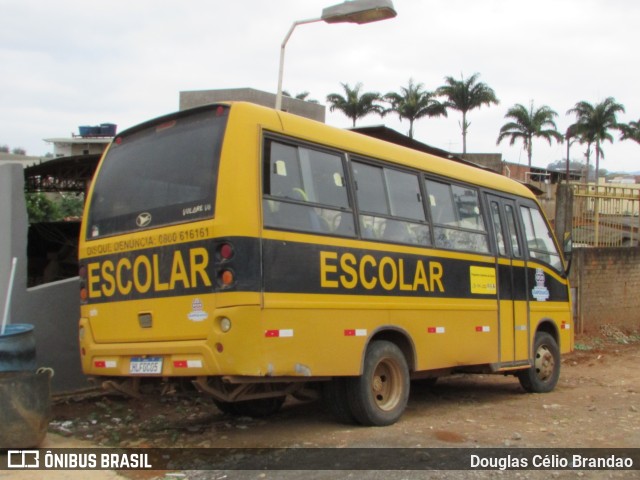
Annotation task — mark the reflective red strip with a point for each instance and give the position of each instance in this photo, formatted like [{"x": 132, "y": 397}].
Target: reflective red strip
[
  {"x": 287, "y": 332},
  {"x": 435, "y": 330}
]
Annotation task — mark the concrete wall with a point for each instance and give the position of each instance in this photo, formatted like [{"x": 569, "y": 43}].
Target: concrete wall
[
  {"x": 13, "y": 235},
  {"x": 490, "y": 160},
  {"x": 196, "y": 98},
  {"x": 607, "y": 286},
  {"x": 54, "y": 308}
]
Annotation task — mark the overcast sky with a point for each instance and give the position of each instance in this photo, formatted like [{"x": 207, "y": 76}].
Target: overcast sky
[{"x": 67, "y": 63}]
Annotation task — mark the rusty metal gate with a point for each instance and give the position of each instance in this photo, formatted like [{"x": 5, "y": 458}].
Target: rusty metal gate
[{"x": 605, "y": 215}]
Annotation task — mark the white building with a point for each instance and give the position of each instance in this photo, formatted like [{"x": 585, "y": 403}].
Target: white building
[
  {"x": 24, "y": 160},
  {"x": 68, "y": 147}
]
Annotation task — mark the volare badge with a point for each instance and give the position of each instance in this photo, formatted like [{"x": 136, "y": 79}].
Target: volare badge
[
  {"x": 197, "y": 313},
  {"x": 540, "y": 292}
]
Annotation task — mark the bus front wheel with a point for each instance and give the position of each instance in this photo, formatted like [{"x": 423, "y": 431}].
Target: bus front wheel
[
  {"x": 543, "y": 375},
  {"x": 379, "y": 396},
  {"x": 334, "y": 394}
]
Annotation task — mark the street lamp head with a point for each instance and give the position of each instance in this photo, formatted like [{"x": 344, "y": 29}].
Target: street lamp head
[
  {"x": 359, "y": 11},
  {"x": 354, "y": 11}
]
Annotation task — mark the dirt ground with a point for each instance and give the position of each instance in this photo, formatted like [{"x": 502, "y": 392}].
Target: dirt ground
[{"x": 596, "y": 404}]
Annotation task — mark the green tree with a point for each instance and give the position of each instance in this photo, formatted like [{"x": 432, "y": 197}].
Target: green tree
[
  {"x": 71, "y": 206},
  {"x": 41, "y": 209},
  {"x": 414, "y": 102},
  {"x": 465, "y": 95},
  {"x": 526, "y": 124},
  {"x": 593, "y": 123},
  {"x": 354, "y": 104},
  {"x": 630, "y": 131}
]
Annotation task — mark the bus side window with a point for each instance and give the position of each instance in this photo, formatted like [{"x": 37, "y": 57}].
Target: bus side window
[
  {"x": 498, "y": 228},
  {"x": 539, "y": 238},
  {"x": 457, "y": 219},
  {"x": 284, "y": 171},
  {"x": 513, "y": 233},
  {"x": 390, "y": 204},
  {"x": 304, "y": 189}
]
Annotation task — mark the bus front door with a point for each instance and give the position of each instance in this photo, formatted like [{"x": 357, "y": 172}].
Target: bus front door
[{"x": 512, "y": 298}]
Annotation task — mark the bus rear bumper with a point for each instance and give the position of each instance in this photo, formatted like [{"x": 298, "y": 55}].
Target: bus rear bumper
[{"x": 186, "y": 358}]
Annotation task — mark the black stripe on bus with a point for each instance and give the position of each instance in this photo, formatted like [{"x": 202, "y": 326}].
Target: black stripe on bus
[
  {"x": 291, "y": 267},
  {"x": 196, "y": 268}
]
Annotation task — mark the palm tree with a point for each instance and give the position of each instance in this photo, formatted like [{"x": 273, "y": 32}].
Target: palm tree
[
  {"x": 355, "y": 105},
  {"x": 413, "y": 103},
  {"x": 529, "y": 123},
  {"x": 630, "y": 131},
  {"x": 465, "y": 95},
  {"x": 593, "y": 123}
]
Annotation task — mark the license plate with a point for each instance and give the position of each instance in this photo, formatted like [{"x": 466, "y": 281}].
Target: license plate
[{"x": 145, "y": 366}]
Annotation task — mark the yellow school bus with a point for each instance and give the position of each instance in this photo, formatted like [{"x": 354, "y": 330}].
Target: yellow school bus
[{"x": 255, "y": 254}]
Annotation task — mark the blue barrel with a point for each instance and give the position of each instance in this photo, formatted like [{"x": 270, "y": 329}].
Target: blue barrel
[{"x": 18, "y": 348}]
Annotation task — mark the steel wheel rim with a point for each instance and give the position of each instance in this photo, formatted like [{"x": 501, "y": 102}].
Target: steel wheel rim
[
  {"x": 545, "y": 363},
  {"x": 386, "y": 384}
]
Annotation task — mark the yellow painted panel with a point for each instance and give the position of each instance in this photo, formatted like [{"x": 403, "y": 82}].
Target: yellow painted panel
[{"x": 507, "y": 331}]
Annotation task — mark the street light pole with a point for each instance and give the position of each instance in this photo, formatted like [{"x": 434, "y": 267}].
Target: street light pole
[
  {"x": 282, "y": 47},
  {"x": 354, "y": 11}
]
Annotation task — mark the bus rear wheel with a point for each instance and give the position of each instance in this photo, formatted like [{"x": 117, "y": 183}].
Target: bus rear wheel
[
  {"x": 543, "y": 375},
  {"x": 379, "y": 396}
]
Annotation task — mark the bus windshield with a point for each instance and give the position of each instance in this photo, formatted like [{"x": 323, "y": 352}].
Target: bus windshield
[{"x": 163, "y": 173}]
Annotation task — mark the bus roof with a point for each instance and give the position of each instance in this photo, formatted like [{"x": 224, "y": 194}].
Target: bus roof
[{"x": 360, "y": 144}]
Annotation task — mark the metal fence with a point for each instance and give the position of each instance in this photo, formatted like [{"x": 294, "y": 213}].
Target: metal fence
[{"x": 605, "y": 215}]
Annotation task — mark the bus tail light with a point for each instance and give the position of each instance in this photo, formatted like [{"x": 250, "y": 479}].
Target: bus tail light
[
  {"x": 226, "y": 278},
  {"x": 225, "y": 324},
  {"x": 226, "y": 251},
  {"x": 225, "y": 255}
]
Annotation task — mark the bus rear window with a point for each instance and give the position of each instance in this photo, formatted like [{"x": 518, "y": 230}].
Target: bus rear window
[{"x": 159, "y": 174}]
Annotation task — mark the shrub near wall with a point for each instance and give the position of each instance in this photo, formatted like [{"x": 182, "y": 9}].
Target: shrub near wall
[{"x": 607, "y": 287}]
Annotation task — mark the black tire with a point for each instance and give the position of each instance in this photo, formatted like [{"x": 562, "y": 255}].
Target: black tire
[
  {"x": 379, "y": 396},
  {"x": 334, "y": 396},
  {"x": 543, "y": 375},
  {"x": 262, "y": 407}
]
